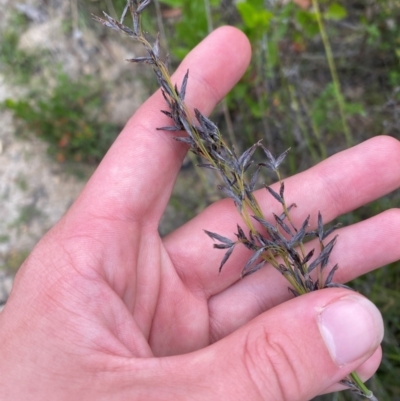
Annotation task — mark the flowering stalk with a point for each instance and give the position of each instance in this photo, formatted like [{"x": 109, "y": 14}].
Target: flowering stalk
[{"x": 280, "y": 244}]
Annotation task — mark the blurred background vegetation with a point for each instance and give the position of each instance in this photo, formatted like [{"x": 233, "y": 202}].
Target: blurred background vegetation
[{"x": 325, "y": 75}]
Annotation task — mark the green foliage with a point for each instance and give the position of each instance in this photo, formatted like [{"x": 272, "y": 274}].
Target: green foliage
[
  {"x": 192, "y": 26},
  {"x": 289, "y": 51},
  {"x": 323, "y": 110},
  {"x": 254, "y": 15},
  {"x": 335, "y": 12},
  {"x": 307, "y": 21},
  {"x": 69, "y": 119},
  {"x": 17, "y": 64}
]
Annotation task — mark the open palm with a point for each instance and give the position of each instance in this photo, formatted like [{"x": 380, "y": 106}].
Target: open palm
[{"x": 103, "y": 290}]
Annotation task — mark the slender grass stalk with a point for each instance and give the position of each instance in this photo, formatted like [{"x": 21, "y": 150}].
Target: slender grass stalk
[
  {"x": 362, "y": 386},
  {"x": 160, "y": 25},
  {"x": 304, "y": 130},
  {"x": 111, "y": 8},
  {"x": 316, "y": 131},
  {"x": 334, "y": 74},
  {"x": 281, "y": 243},
  {"x": 262, "y": 91},
  {"x": 207, "y": 7},
  {"x": 224, "y": 103}
]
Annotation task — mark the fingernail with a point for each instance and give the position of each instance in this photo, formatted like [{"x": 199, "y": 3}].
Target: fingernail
[{"x": 351, "y": 327}]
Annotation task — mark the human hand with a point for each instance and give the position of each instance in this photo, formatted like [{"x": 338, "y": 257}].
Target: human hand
[{"x": 104, "y": 309}]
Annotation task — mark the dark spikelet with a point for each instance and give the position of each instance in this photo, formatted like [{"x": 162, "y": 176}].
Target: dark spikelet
[
  {"x": 326, "y": 252},
  {"x": 124, "y": 12},
  {"x": 206, "y": 165},
  {"x": 136, "y": 24},
  {"x": 282, "y": 189},
  {"x": 164, "y": 85},
  {"x": 263, "y": 241},
  {"x": 141, "y": 60},
  {"x": 280, "y": 158},
  {"x": 297, "y": 275},
  {"x": 308, "y": 257},
  {"x": 113, "y": 24},
  {"x": 253, "y": 180},
  {"x": 240, "y": 234},
  {"x": 328, "y": 232},
  {"x": 252, "y": 260},
  {"x": 221, "y": 246},
  {"x": 184, "y": 85},
  {"x": 244, "y": 159},
  {"x": 231, "y": 194},
  {"x": 293, "y": 292},
  {"x": 270, "y": 158},
  {"x": 253, "y": 269},
  {"x": 283, "y": 269},
  {"x": 107, "y": 24},
  {"x": 219, "y": 238},
  {"x": 273, "y": 163},
  {"x": 167, "y": 113},
  {"x": 309, "y": 285},
  {"x": 314, "y": 264},
  {"x": 282, "y": 224},
  {"x": 323, "y": 256},
  {"x": 274, "y": 194},
  {"x": 206, "y": 124},
  {"x": 171, "y": 128},
  {"x": 185, "y": 139},
  {"x": 320, "y": 227},
  {"x": 156, "y": 47},
  {"x": 283, "y": 215},
  {"x": 143, "y": 5},
  {"x": 330, "y": 275},
  {"x": 313, "y": 233},
  {"x": 187, "y": 126},
  {"x": 299, "y": 236},
  {"x": 166, "y": 98},
  {"x": 270, "y": 228},
  {"x": 295, "y": 258},
  {"x": 226, "y": 257}
]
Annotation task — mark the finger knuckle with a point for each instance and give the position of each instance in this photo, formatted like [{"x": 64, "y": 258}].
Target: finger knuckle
[{"x": 273, "y": 366}]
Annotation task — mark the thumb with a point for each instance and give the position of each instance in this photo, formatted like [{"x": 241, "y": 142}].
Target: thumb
[{"x": 293, "y": 352}]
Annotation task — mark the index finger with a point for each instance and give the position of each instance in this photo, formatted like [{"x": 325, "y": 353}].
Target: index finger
[{"x": 135, "y": 179}]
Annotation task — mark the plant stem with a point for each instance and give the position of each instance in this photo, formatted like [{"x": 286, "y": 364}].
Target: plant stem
[
  {"x": 362, "y": 386},
  {"x": 334, "y": 74}
]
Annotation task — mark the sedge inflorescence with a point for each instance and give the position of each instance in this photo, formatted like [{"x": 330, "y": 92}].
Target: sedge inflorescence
[{"x": 276, "y": 241}]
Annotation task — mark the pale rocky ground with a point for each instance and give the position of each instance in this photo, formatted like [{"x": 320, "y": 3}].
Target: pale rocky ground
[
  {"x": 35, "y": 190},
  {"x": 34, "y": 194}
]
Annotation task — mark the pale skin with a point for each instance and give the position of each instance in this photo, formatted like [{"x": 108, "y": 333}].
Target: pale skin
[{"x": 105, "y": 309}]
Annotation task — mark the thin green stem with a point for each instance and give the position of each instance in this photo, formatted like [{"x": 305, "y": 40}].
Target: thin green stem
[
  {"x": 361, "y": 385},
  {"x": 160, "y": 24},
  {"x": 315, "y": 128},
  {"x": 296, "y": 108},
  {"x": 334, "y": 74}
]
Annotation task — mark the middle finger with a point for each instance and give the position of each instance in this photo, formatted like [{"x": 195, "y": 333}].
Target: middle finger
[{"x": 336, "y": 186}]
